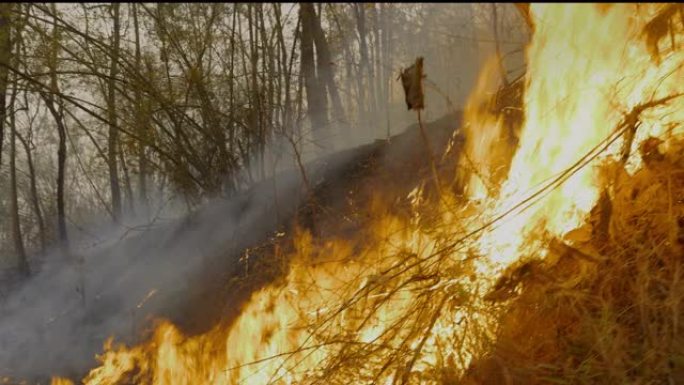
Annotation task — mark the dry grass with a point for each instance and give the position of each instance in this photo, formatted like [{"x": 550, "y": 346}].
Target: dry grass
[{"x": 609, "y": 310}]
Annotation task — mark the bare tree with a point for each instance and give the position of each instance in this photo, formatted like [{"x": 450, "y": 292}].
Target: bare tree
[
  {"x": 325, "y": 66},
  {"x": 16, "y": 225},
  {"x": 5, "y": 54},
  {"x": 112, "y": 142},
  {"x": 56, "y": 108},
  {"x": 316, "y": 100},
  {"x": 139, "y": 121},
  {"x": 189, "y": 96}
]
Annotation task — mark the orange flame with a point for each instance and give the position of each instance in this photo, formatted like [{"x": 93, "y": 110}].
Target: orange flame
[
  {"x": 587, "y": 68},
  {"x": 402, "y": 301}
]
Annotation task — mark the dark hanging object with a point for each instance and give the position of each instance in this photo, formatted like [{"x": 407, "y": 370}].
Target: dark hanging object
[
  {"x": 662, "y": 25},
  {"x": 412, "y": 81}
]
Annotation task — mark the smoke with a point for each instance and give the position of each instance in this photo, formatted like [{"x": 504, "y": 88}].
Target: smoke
[
  {"x": 455, "y": 41},
  {"x": 55, "y": 322}
]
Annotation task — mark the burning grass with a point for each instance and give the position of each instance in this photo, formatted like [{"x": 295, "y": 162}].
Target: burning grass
[
  {"x": 568, "y": 271},
  {"x": 403, "y": 303},
  {"x": 609, "y": 309}
]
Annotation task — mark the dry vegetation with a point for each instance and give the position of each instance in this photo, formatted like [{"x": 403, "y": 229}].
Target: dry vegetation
[
  {"x": 380, "y": 278},
  {"x": 608, "y": 311}
]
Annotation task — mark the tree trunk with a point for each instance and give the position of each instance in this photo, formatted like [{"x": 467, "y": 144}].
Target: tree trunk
[
  {"x": 377, "y": 67},
  {"x": 35, "y": 202},
  {"x": 61, "y": 172},
  {"x": 127, "y": 181},
  {"x": 111, "y": 115},
  {"x": 283, "y": 68},
  {"x": 386, "y": 17},
  {"x": 265, "y": 89},
  {"x": 270, "y": 76},
  {"x": 5, "y": 54},
  {"x": 56, "y": 110},
  {"x": 141, "y": 127},
  {"x": 231, "y": 92},
  {"x": 315, "y": 93},
  {"x": 14, "y": 198},
  {"x": 255, "y": 105},
  {"x": 365, "y": 69},
  {"x": 325, "y": 68}
]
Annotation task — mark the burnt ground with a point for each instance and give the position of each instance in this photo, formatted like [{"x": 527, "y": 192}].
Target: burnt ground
[
  {"x": 341, "y": 186},
  {"x": 208, "y": 278}
]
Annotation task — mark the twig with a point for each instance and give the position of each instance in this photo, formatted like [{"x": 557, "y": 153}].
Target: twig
[
  {"x": 298, "y": 158},
  {"x": 430, "y": 153},
  {"x": 428, "y": 332}
]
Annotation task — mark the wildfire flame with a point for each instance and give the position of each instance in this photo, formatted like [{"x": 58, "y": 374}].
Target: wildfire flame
[
  {"x": 587, "y": 68},
  {"x": 404, "y": 304}
]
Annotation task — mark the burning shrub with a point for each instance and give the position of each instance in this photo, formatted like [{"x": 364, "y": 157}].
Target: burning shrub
[
  {"x": 615, "y": 317},
  {"x": 564, "y": 272}
]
